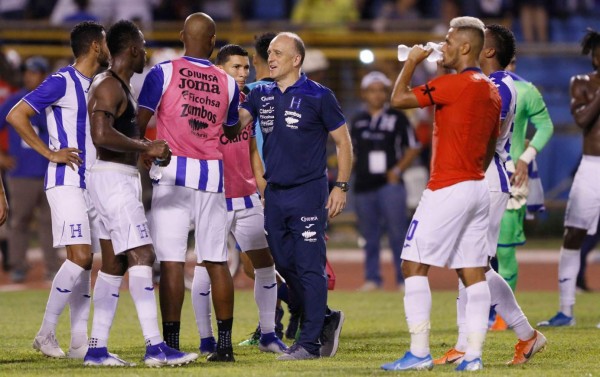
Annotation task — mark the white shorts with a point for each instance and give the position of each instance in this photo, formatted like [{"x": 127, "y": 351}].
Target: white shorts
[
  {"x": 117, "y": 194},
  {"x": 498, "y": 201},
  {"x": 174, "y": 210},
  {"x": 248, "y": 228},
  {"x": 75, "y": 220},
  {"x": 450, "y": 227},
  {"x": 583, "y": 207}
]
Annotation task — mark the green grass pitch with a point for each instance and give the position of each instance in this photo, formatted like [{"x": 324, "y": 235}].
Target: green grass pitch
[{"x": 374, "y": 333}]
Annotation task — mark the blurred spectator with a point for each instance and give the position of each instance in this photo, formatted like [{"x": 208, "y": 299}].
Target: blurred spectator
[
  {"x": 330, "y": 14},
  {"x": 26, "y": 169},
  {"x": 533, "y": 17},
  {"x": 315, "y": 65},
  {"x": 385, "y": 12},
  {"x": 12, "y": 9},
  {"x": 108, "y": 11},
  {"x": 266, "y": 10},
  {"x": 384, "y": 147},
  {"x": 219, "y": 10},
  {"x": 82, "y": 13}
]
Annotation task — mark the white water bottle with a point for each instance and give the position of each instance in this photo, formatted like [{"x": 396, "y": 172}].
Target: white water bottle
[
  {"x": 436, "y": 53},
  {"x": 156, "y": 170},
  {"x": 403, "y": 51}
]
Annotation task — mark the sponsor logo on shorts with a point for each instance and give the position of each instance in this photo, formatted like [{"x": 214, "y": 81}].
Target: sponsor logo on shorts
[
  {"x": 309, "y": 226},
  {"x": 307, "y": 219},
  {"x": 63, "y": 290},
  {"x": 309, "y": 236}
]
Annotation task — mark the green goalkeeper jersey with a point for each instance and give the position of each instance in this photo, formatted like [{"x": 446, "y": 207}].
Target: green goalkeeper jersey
[{"x": 530, "y": 108}]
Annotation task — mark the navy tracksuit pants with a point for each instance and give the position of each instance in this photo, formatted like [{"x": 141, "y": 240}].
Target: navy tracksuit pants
[{"x": 295, "y": 221}]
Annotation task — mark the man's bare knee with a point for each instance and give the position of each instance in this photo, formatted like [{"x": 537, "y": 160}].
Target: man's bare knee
[
  {"x": 261, "y": 258},
  {"x": 410, "y": 268},
  {"x": 573, "y": 238},
  {"x": 81, "y": 255},
  {"x": 141, "y": 256}
]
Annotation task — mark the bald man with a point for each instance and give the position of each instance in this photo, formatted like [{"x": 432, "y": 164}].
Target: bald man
[
  {"x": 191, "y": 99},
  {"x": 296, "y": 116}
]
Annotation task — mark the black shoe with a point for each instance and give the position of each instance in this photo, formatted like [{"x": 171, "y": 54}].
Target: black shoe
[
  {"x": 290, "y": 332},
  {"x": 330, "y": 334},
  {"x": 225, "y": 355},
  {"x": 278, "y": 325}
]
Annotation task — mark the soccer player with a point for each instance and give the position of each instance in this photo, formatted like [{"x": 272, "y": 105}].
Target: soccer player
[
  {"x": 296, "y": 116},
  {"x": 191, "y": 99},
  {"x": 583, "y": 207},
  {"x": 451, "y": 223},
  {"x": 498, "y": 50},
  {"x": 530, "y": 109},
  {"x": 62, "y": 98},
  {"x": 115, "y": 188},
  {"x": 245, "y": 217}
]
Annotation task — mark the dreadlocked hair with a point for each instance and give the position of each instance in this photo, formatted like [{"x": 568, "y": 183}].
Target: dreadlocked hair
[{"x": 590, "y": 41}]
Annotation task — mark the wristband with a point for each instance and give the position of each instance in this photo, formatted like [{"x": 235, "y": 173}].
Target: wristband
[
  {"x": 528, "y": 155},
  {"x": 397, "y": 171}
]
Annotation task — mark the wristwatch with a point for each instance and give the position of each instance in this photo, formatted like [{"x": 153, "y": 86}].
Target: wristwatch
[{"x": 344, "y": 186}]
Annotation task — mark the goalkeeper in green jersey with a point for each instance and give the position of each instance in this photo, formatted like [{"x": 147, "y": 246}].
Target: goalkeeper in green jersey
[{"x": 530, "y": 109}]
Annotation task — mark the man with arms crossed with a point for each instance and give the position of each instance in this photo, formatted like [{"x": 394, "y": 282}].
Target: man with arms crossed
[
  {"x": 498, "y": 50},
  {"x": 63, "y": 99},
  {"x": 583, "y": 207},
  {"x": 191, "y": 99},
  {"x": 296, "y": 116},
  {"x": 116, "y": 191},
  {"x": 451, "y": 223}
]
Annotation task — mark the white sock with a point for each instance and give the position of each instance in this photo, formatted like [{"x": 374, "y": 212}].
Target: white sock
[
  {"x": 506, "y": 305},
  {"x": 417, "y": 306},
  {"x": 141, "y": 288},
  {"x": 106, "y": 298},
  {"x": 478, "y": 310},
  {"x": 568, "y": 267},
  {"x": 80, "y": 309},
  {"x": 265, "y": 295},
  {"x": 201, "y": 301},
  {"x": 60, "y": 294},
  {"x": 461, "y": 318}
]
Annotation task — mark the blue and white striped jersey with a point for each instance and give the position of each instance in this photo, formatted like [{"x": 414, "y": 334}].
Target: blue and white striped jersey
[
  {"x": 496, "y": 174},
  {"x": 63, "y": 98}
]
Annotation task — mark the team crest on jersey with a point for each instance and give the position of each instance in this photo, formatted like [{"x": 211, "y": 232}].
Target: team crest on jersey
[{"x": 295, "y": 103}]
